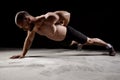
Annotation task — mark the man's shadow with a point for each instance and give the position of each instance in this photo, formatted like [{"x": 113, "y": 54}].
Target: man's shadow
[{"x": 67, "y": 52}]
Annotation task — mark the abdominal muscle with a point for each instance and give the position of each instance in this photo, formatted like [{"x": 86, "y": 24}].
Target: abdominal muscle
[{"x": 58, "y": 35}]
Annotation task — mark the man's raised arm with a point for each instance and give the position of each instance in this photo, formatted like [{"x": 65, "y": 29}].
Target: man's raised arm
[{"x": 64, "y": 17}]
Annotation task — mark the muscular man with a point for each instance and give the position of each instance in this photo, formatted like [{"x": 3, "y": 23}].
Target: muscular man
[{"x": 53, "y": 25}]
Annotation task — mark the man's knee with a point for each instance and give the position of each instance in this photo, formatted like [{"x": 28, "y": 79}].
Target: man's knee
[{"x": 91, "y": 40}]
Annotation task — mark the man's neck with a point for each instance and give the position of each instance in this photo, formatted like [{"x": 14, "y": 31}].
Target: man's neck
[{"x": 31, "y": 26}]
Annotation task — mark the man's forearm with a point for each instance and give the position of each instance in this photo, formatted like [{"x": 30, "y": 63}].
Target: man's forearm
[
  {"x": 26, "y": 46},
  {"x": 64, "y": 17},
  {"x": 28, "y": 42}
]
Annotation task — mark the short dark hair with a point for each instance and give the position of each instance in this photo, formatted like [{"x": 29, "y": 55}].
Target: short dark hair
[{"x": 20, "y": 16}]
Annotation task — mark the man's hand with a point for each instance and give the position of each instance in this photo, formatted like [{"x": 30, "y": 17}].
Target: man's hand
[{"x": 17, "y": 56}]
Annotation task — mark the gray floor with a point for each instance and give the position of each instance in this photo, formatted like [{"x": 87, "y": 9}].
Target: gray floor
[{"x": 59, "y": 64}]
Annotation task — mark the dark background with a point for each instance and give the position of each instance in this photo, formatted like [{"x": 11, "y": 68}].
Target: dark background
[{"x": 95, "y": 19}]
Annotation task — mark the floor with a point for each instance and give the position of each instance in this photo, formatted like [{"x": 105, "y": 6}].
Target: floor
[{"x": 59, "y": 64}]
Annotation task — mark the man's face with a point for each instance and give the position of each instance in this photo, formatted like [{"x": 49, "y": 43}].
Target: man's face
[{"x": 25, "y": 25}]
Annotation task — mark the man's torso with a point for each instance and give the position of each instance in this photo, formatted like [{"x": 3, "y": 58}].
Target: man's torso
[{"x": 57, "y": 33}]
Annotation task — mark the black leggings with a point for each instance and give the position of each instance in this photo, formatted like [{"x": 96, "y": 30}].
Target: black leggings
[{"x": 75, "y": 35}]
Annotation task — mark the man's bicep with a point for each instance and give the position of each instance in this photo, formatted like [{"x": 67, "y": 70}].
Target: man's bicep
[
  {"x": 30, "y": 35},
  {"x": 51, "y": 18},
  {"x": 64, "y": 14}
]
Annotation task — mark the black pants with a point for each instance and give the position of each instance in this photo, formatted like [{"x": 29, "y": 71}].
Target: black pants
[{"x": 73, "y": 34}]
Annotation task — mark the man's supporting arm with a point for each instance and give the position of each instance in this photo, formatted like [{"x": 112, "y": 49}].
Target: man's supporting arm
[{"x": 26, "y": 46}]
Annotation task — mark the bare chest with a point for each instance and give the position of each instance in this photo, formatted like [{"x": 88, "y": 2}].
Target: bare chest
[
  {"x": 44, "y": 30},
  {"x": 56, "y": 33}
]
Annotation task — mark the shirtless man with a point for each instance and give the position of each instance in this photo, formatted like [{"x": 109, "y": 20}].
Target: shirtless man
[{"x": 53, "y": 25}]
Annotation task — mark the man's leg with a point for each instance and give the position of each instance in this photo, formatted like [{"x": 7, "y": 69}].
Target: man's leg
[
  {"x": 99, "y": 42},
  {"x": 79, "y": 37},
  {"x": 78, "y": 45}
]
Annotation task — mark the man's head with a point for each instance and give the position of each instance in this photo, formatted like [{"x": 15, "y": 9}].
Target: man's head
[{"x": 22, "y": 20}]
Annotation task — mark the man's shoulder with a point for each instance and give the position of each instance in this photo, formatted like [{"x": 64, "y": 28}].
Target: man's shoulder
[{"x": 61, "y": 11}]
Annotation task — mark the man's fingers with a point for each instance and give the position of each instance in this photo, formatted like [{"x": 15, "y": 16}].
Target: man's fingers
[{"x": 14, "y": 57}]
